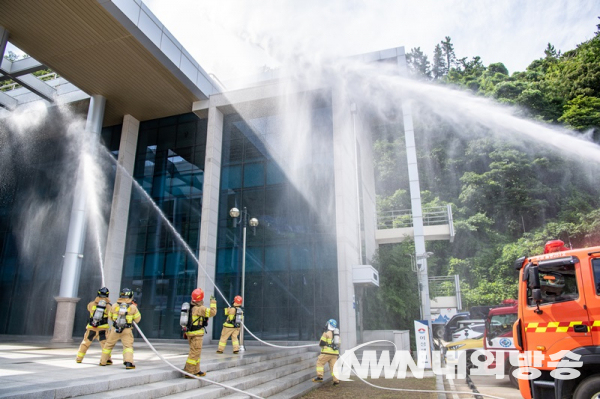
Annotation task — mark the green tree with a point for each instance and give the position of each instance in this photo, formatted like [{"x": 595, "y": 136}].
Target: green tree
[
  {"x": 508, "y": 197},
  {"x": 419, "y": 64},
  {"x": 448, "y": 52},
  {"x": 582, "y": 113},
  {"x": 395, "y": 304},
  {"x": 438, "y": 68}
]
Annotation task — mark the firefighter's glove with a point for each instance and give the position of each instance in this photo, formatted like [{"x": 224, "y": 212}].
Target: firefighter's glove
[{"x": 212, "y": 298}]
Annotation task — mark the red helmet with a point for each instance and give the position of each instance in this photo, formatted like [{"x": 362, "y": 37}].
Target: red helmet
[
  {"x": 197, "y": 295},
  {"x": 237, "y": 300}
]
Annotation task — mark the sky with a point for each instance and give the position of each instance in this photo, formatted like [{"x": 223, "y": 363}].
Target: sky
[{"x": 239, "y": 37}]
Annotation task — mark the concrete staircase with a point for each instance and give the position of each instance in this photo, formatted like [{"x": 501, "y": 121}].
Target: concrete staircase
[{"x": 281, "y": 374}]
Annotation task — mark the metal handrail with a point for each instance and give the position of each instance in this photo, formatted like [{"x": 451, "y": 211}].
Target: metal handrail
[
  {"x": 15, "y": 85},
  {"x": 442, "y": 286},
  {"x": 8, "y": 87},
  {"x": 403, "y": 218}
]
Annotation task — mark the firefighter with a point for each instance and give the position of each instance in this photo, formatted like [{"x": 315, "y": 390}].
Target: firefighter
[
  {"x": 198, "y": 319},
  {"x": 231, "y": 327},
  {"x": 98, "y": 326},
  {"x": 123, "y": 314},
  {"x": 330, "y": 351}
]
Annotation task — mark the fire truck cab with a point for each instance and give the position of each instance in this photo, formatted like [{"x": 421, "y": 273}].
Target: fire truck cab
[
  {"x": 559, "y": 315},
  {"x": 498, "y": 336}
]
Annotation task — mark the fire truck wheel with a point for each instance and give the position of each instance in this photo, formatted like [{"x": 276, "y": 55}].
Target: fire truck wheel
[
  {"x": 514, "y": 381},
  {"x": 589, "y": 388}
]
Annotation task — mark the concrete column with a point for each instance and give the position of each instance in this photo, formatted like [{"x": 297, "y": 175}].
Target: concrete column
[
  {"x": 415, "y": 200},
  {"x": 63, "y": 325},
  {"x": 346, "y": 204},
  {"x": 368, "y": 187},
  {"x": 119, "y": 214},
  {"x": 69, "y": 284},
  {"x": 210, "y": 208}
]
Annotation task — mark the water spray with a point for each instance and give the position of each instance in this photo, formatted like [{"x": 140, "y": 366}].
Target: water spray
[{"x": 192, "y": 254}]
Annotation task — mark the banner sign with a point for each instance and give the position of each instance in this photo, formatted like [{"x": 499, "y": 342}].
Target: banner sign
[{"x": 423, "y": 345}]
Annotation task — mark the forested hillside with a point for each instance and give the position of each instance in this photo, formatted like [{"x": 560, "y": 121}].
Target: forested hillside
[{"x": 508, "y": 199}]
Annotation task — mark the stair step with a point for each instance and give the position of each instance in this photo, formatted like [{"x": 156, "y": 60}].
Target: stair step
[
  {"x": 285, "y": 386},
  {"x": 107, "y": 381},
  {"x": 180, "y": 385},
  {"x": 263, "y": 381}
]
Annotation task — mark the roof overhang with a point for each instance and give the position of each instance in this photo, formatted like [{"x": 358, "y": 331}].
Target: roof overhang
[{"x": 117, "y": 49}]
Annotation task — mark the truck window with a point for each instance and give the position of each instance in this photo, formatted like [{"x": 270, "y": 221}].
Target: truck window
[
  {"x": 478, "y": 328},
  {"x": 596, "y": 268},
  {"x": 557, "y": 283},
  {"x": 501, "y": 324}
]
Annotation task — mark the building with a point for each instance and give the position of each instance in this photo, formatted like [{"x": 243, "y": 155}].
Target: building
[{"x": 197, "y": 149}]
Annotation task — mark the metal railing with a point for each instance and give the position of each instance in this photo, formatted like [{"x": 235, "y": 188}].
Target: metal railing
[
  {"x": 442, "y": 286},
  {"x": 14, "y": 85},
  {"x": 403, "y": 218}
]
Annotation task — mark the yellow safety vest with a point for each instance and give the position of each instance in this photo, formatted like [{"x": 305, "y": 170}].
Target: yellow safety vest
[
  {"x": 104, "y": 320},
  {"x": 230, "y": 319},
  {"x": 328, "y": 349},
  {"x": 198, "y": 323}
]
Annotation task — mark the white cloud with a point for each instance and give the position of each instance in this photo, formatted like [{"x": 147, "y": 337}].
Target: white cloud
[{"x": 230, "y": 38}]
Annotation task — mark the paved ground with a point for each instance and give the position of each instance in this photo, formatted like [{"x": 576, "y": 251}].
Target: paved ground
[
  {"x": 490, "y": 386},
  {"x": 486, "y": 385},
  {"x": 357, "y": 389},
  {"x": 27, "y": 362}
]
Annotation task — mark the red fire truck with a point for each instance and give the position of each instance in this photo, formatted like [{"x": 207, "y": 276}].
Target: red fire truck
[
  {"x": 498, "y": 335},
  {"x": 559, "y": 319}
]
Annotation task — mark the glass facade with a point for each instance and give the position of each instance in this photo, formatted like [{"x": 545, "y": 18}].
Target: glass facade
[
  {"x": 38, "y": 175},
  {"x": 169, "y": 166},
  {"x": 291, "y": 268},
  {"x": 291, "y": 285}
]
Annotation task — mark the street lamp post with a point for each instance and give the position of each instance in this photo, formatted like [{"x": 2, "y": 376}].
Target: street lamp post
[{"x": 253, "y": 222}]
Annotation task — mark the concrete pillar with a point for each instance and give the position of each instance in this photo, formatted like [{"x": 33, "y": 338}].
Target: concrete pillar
[
  {"x": 210, "y": 208},
  {"x": 63, "y": 325},
  {"x": 119, "y": 213},
  {"x": 69, "y": 284},
  {"x": 369, "y": 202},
  {"x": 346, "y": 205},
  {"x": 415, "y": 200}
]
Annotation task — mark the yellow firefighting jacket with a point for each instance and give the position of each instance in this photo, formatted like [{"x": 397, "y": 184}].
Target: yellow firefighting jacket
[
  {"x": 133, "y": 314},
  {"x": 327, "y": 343},
  {"x": 91, "y": 307},
  {"x": 199, "y": 313},
  {"x": 230, "y": 319}
]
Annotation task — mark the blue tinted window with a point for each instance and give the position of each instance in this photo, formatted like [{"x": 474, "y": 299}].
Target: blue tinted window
[
  {"x": 231, "y": 177},
  {"x": 296, "y": 217},
  {"x": 254, "y": 175},
  {"x": 170, "y": 167},
  {"x": 34, "y": 175},
  {"x": 274, "y": 173},
  {"x": 276, "y": 258}
]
